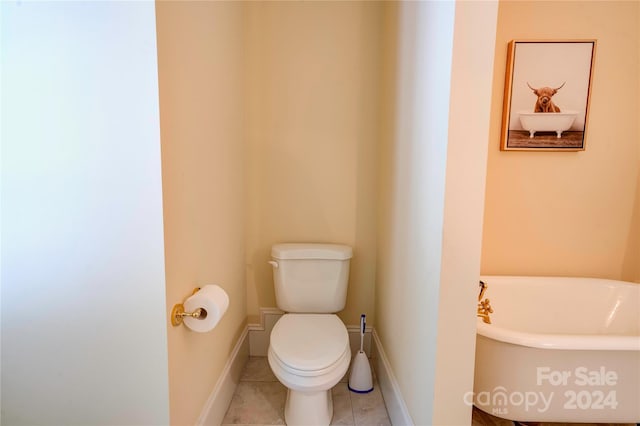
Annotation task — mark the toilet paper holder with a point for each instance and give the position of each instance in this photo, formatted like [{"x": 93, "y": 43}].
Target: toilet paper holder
[{"x": 178, "y": 313}]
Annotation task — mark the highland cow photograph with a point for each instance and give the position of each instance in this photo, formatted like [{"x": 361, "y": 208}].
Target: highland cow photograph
[{"x": 546, "y": 100}]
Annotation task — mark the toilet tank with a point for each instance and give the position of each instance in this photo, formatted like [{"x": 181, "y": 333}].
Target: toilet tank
[{"x": 311, "y": 278}]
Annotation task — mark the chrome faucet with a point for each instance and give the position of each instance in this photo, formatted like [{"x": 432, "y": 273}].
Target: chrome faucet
[{"x": 484, "y": 306}]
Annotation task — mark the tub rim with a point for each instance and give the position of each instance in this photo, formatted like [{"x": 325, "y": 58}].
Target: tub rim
[
  {"x": 559, "y": 341},
  {"x": 549, "y": 114}
]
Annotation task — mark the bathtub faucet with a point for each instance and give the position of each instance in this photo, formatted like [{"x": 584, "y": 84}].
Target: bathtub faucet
[
  {"x": 484, "y": 306},
  {"x": 483, "y": 288}
]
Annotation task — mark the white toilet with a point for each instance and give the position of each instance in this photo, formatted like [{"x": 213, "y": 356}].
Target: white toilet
[{"x": 309, "y": 348}]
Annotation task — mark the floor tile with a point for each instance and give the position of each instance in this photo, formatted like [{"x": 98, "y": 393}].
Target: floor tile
[
  {"x": 257, "y": 370},
  {"x": 255, "y": 403},
  {"x": 259, "y": 400},
  {"x": 342, "y": 411},
  {"x": 369, "y": 408}
]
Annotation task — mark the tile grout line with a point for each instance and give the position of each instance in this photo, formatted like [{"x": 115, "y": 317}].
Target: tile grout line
[{"x": 353, "y": 413}]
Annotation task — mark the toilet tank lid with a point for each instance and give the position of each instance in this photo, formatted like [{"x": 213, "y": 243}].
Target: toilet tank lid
[{"x": 311, "y": 251}]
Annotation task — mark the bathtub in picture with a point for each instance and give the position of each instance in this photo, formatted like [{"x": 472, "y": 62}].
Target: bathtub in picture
[
  {"x": 547, "y": 121},
  {"x": 559, "y": 350}
]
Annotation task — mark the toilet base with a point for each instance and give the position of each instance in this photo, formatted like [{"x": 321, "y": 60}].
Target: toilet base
[{"x": 308, "y": 408}]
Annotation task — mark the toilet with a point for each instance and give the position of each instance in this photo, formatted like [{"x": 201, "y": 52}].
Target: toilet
[{"x": 309, "y": 348}]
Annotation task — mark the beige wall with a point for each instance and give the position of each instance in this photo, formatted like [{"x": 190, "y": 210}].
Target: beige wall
[
  {"x": 431, "y": 200},
  {"x": 473, "y": 49},
  {"x": 570, "y": 213},
  {"x": 200, "y": 76},
  {"x": 312, "y": 93},
  {"x": 631, "y": 263}
]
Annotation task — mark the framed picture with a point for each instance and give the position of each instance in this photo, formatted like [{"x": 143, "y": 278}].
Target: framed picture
[{"x": 546, "y": 95}]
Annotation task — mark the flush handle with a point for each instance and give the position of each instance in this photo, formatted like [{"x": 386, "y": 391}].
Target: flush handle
[{"x": 273, "y": 263}]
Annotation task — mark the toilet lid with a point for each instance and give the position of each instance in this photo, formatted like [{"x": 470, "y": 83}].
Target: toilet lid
[{"x": 309, "y": 342}]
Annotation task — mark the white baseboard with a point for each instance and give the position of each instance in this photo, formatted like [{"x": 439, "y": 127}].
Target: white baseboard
[
  {"x": 396, "y": 407},
  {"x": 216, "y": 406},
  {"x": 259, "y": 333}
]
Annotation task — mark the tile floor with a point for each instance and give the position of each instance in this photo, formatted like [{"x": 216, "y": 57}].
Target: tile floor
[{"x": 259, "y": 400}]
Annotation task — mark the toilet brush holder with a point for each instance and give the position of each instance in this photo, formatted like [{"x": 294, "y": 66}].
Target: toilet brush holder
[{"x": 360, "y": 380}]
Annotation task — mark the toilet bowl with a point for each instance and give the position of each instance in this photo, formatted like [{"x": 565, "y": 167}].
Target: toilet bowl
[
  {"x": 309, "y": 346},
  {"x": 309, "y": 354}
]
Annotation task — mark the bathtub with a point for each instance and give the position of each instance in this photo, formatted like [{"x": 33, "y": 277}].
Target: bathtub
[
  {"x": 547, "y": 121},
  {"x": 559, "y": 350}
]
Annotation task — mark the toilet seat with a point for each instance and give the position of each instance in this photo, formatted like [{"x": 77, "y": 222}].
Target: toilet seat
[{"x": 309, "y": 345}]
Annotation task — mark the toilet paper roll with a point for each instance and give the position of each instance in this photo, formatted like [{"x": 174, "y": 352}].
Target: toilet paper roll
[{"x": 213, "y": 300}]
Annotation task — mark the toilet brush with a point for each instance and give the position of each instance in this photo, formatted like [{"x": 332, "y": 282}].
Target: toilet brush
[{"x": 360, "y": 380}]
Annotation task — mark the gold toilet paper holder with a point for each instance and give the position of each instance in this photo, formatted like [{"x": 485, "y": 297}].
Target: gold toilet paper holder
[{"x": 178, "y": 313}]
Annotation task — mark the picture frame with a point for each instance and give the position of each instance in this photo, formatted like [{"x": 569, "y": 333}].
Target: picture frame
[{"x": 547, "y": 93}]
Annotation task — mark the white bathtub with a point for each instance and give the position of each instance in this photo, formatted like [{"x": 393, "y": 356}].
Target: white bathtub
[
  {"x": 559, "y": 350},
  {"x": 547, "y": 121}
]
